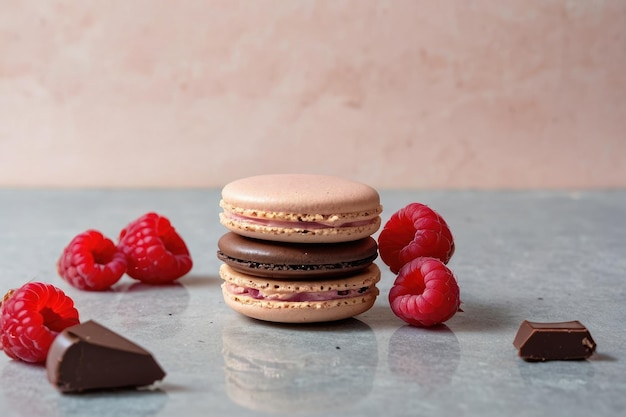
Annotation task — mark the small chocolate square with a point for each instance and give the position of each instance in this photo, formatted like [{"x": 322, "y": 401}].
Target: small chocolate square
[{"x": 554, "y": 341}]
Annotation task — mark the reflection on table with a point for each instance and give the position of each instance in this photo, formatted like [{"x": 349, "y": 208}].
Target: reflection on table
[{"x": 280, "y": 368}]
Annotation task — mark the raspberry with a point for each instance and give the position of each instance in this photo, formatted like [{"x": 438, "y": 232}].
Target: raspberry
[
  {"x": 155, "y": 253},
  {"x": 30, "y": 319},
  {"x": 91, "y": 261},
  {"x": 424, "y": 293},
  {"x": 414, "y": 231}
]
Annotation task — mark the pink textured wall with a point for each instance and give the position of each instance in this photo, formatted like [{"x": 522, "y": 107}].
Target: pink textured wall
[{"x": 396, "y": 93}]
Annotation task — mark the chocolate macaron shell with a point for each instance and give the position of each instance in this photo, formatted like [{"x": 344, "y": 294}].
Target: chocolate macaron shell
[{"x": 295, "y": 261}]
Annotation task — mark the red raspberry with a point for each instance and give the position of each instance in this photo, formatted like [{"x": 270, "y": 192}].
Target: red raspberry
[
  {"x": 424, "y": 293},
  {"x": 155, "y": 253},
  {"x": 30, "y": 319},
  {"x": 91, "y": 262},
  {"x": 413, "y": 231}
]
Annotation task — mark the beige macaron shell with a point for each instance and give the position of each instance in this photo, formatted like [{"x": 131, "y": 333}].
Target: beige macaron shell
[
  {"x": 306, "y": 311},
  {"x": 300, "y": 198},
  {"x": 309, "y": 312},
  {"x": 299, "y": 235},
  {"x": 302, "y": 194}
]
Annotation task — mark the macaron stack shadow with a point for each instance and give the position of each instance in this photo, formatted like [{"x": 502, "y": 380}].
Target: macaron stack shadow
[{"x": 299, "y": 247}]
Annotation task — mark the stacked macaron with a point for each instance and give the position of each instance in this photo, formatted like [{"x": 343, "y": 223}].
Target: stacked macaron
[{"x": 299, "y": 247}]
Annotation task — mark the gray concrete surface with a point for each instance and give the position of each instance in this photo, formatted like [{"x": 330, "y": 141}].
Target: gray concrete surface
[{"x": 536, "y": 255}]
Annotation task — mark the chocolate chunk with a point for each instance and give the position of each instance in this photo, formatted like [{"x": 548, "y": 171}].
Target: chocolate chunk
[
  {"x": 554, "y": 341},
  {"x": 88, "y": 356}
]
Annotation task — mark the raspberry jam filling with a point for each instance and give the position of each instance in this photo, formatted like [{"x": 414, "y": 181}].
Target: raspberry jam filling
[
  {"x": 298, "y": 224},
  {"x": 295, "y": 297}
]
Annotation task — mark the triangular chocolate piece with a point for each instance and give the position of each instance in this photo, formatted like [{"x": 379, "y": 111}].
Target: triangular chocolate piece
[{"x": 89, "y": 356}]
